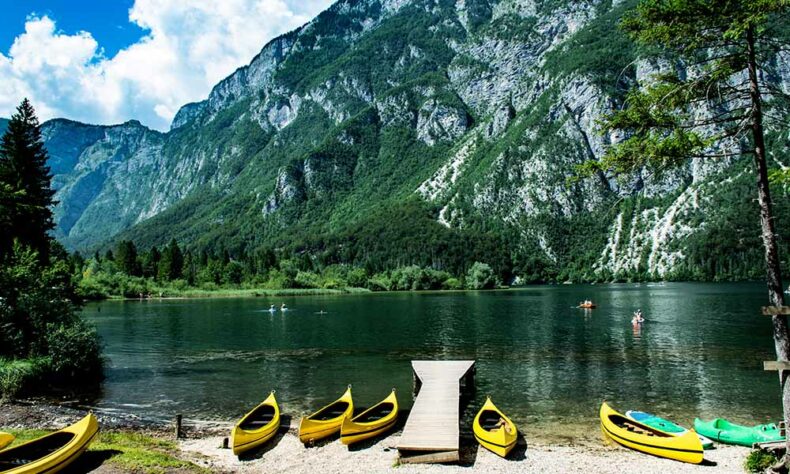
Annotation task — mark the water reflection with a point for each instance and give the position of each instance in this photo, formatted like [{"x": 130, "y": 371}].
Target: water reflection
[{"x": 543, "y": 359}]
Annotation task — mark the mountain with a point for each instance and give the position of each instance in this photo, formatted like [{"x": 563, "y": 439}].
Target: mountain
[{"x": 435, "y": 132}]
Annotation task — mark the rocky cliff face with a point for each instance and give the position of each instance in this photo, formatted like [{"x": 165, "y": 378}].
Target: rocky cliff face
[{"x": 478, "y": 109}]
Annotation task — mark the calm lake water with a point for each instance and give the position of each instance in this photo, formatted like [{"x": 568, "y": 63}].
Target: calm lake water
[{"x": 700, "y": 352}]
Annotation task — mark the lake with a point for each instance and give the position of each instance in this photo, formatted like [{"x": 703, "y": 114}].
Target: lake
[{"x": 542, "y": 360}]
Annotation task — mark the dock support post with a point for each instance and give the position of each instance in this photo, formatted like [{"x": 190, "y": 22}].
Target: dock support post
[{"x": 178, "y": 426}]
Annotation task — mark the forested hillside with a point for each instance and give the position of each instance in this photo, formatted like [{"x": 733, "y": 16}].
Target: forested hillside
[{"x": 438, "y": 133}]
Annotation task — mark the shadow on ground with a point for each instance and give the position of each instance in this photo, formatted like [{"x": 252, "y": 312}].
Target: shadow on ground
[
  {"x": 90, "y": 460},
  {"x": 257, "y": 453}
]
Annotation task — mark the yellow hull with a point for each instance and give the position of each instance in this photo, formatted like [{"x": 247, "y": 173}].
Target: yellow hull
[
  {"x": 79, "y": 436},
  {"x": 635, "y": 435},
  {"x": 354, "y": 430},
  {"x": 497, "y": 440},
  {"x": 317, "y": 426},
  {"x": 5, "y": 439},
  {"x": 243, "y": 438}
]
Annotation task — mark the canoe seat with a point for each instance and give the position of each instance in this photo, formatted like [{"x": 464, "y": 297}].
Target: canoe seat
[{"x": 257, "y": 423}]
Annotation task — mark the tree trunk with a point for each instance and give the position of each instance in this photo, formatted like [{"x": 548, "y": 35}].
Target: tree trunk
[{"x": 772, "y": 267}]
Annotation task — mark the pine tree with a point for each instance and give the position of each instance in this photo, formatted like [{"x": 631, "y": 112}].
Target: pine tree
[
  {"x": 25, "y": 177},
  {"x": 151, "y": 263},
  {"x": 717, "y": 110},
  {"x": 171, "y": 267},
  {"x": 126, "y": 258}
]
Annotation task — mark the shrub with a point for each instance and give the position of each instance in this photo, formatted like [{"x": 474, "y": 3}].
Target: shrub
[
  {"x": 380, "y": 282},
  {"x": 20, "y": 374},
  {"x": 74, "y": 350},
  {"x": 759, "y": 461},
  {"x": 480, "y": 277},
  {"x": 307, "y": 280},
  {"x": 452, "y": 284}
]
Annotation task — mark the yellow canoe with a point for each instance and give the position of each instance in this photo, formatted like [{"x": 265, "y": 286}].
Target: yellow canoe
[
  {"x": 635, "y": 435},
  {"x": 52, "y": 452},
  {"x": 371, "y": 422},
  {"x": 256, "y": 427},
  {"x": 5, "y": 439},
  {"x": 326, "y": 421},
  {"x": 491, "y": 432}
]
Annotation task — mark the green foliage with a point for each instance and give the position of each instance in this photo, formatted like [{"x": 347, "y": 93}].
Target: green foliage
[
  {"x": 480, "y": 277},
  {"x": 43, "y": 337},
  {"x": 759, "y": 461},
  {"x": 171, "y": 264},
  {"x": 25, "y": 193},
  {"x": 20, "y": 375},
  {"x": 74, "y": 350},
  {"x": 599, "y": 50},
  {"x": 126, "y": 258}
]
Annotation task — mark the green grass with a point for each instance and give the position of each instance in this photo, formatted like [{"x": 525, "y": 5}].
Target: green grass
[
  {"x": 239, "y": 292},
  {"x": 128, "y": 451},
  {"x": 17, "y": 374}
]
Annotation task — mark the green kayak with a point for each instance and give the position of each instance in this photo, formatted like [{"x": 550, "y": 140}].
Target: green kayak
[
  {"x": 725, "y": 432},
  {"x": 666, "y": 426}
]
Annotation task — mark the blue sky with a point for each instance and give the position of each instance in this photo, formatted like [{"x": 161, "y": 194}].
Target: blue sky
[
  {"x": 107, "y": 20},
  {"x": 108, "y": 61}
]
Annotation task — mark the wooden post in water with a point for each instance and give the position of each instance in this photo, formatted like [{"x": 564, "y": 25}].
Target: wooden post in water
[{"x": 178, "y": 426}]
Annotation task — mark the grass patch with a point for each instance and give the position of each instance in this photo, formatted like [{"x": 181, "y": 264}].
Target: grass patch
[
  {"x": 133, "y": 452},
  {"x": 252, "y": 292},
  {"x": 759, "y": 461},
  {"x": 17, "y": 374}
]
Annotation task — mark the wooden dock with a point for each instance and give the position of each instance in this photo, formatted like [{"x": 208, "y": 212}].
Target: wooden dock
[{"x": 432, "y": 431}]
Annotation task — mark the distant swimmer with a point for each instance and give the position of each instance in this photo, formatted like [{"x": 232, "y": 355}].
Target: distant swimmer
[{"x": 638, "y": 318}]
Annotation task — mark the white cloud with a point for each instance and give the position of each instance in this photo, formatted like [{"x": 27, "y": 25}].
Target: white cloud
[{"x": 190, "y": 46}]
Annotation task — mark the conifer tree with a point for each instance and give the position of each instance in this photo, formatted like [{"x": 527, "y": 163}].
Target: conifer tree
[
  {"x": 25, "y": 179},
  {"x": 716, "y": 108}
]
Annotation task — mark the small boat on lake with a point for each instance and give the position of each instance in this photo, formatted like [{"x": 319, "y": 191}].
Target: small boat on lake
[
  {"x": 326, "y": 421},
  {"x": 256, "y": 427},
  {"x": 641, "y": 437},
  {"x": 6, "y": 439},
  {"x": 52, "y": 452},
  {"x": 371, "y": 422},
  {"x": 665, "y": 425},
  {"x": 724, "y": 431},
  {"x": 493, "y": 430}
]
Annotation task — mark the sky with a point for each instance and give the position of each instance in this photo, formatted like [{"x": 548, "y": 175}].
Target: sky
[{"x": 109, "y": 61}]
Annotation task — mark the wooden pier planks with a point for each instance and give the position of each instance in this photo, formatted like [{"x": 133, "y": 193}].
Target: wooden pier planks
[{"x": 433, "y": 424}]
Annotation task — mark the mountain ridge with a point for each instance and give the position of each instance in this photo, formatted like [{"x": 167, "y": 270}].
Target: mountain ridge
[{"x": 461, "y": 118}]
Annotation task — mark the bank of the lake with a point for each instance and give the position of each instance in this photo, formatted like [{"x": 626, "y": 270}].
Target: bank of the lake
[
  {"x": 128, "y": 444},
  {"x": 545, "y": 362}
]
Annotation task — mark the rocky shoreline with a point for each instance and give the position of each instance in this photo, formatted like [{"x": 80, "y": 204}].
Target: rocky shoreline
[{"x": 202, "y": 442}]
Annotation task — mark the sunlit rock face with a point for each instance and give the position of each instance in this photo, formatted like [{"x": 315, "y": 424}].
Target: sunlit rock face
[{"x": 482, "y": 109}]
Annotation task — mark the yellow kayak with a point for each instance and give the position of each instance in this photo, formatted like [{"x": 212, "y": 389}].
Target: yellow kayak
[
  {"x": 326, "y": 421},
  {"x": 5, "y": 439},
  {"x": 635, "y": 435},
  {"x": 371, "y": 422},
  {"x": 256, "y": 427},
  {"x": 52, "y": 452},
  {"x": 493, "y": 430}
]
